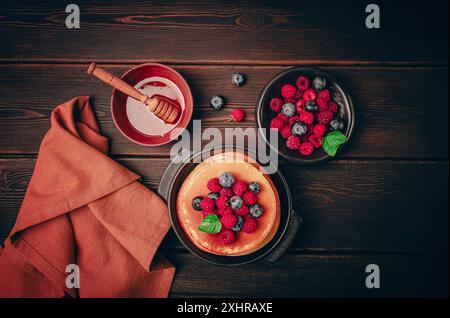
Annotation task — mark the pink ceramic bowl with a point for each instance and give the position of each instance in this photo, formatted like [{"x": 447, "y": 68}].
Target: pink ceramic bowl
[{"x": 121, "y": 107}]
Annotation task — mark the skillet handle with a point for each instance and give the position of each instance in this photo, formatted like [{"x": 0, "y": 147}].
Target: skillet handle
[
  {"x": 166, "y": 179},
  {"x": 291, "y": 232}
]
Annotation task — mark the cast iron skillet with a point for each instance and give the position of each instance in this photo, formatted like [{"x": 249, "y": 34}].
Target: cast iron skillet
[
  {"x": 170, "y": 184},
  {"x": 264, "y": 114}
]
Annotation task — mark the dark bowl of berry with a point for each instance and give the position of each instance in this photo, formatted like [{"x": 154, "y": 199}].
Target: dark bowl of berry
[{"x": 310, "y": 112}]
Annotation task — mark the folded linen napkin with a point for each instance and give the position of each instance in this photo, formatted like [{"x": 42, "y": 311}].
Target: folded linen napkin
[{"x": 83, "y": 208}]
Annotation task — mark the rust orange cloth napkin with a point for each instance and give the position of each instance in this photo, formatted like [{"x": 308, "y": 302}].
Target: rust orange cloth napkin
[{"x": 81, "y": 207}]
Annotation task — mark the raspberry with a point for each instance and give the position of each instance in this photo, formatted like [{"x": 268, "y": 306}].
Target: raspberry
[
  {"x": 286, "y": 131},
  {"x": 306, "y": 148},
  {"x": 239, "y": 187},
  {"x": 243, "y": 210},
  {"x": 237, "y": 115},
  {"x": 214, "y": 185},
  {"x": 207, "y": 204},
  {"x": 249, "y": 225},
  {"x": 250, "y": 198},
  {"x": 303, "y": 83},
  {"x": 227, "y": 192},
  {"x": 298, "y": 95},
  {"x": 275, "y": 104},
  {"x": 322, "y": 104},
  {"x": 226, "y": 236},
  {"x": 319, "y": 129},
  {"x": 288, "y": 91},
  {"x": 310, "y": 95},
  {"x": 333, "y": 107},
  {"x": 325, "y": 117},
  {"x": 299, "y": 105},
  {"x": 306, "y": 117},
  {"x": 222, "y": 202},
  {"x": 283, "y": 117},
  {"x": 290, "y": 100},
  {"x": 315, "y": 140},
  {"x": 293, "y": 142},
  {"x": 228, "y": 220},
  {"x": 206, "y": 213},
  {"x": 276, "y": 124},
  {"x": 227, "y": 210},
  {"x": 324, "y": 94},
  {"x": 293, "y": 120}
]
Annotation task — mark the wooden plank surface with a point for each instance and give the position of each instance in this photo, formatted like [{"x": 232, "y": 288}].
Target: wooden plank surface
[
  {"x": 201, "y": 32},
  {"x": 365, "y": 206},
  {"x": 400, "y": 112},
  {"x": 313, "y": 276}
]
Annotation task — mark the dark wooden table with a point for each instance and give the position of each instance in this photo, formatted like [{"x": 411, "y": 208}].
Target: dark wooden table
[{"x": 383, "y": 201}]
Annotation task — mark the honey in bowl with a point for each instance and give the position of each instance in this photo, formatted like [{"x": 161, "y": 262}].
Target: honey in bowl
[{"x": 243, "y": 169}]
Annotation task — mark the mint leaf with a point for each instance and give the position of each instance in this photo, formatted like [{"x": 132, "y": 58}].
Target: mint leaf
[
  {"x": 333, "y": 141},
  {"x": 210, "y": 224}
]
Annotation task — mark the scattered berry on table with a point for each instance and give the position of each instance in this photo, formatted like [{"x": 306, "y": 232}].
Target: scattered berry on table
[
  {"x": 250, "y": 225},
  {"x": 237, "y": 115},
  {"x": 196, "y": 203},
  {"x": 238, "y": 79},
  {"x": 275, "y": 104},
  {"x": 217, "y": 102},
  {"x": 256, "y": 211},
  {"x": 293, "y": 142},
  {"x": 276, "y": 124},
  {"x": 213, "y": 195},
  {"x": 303, "y": 83},
  {"x": 298, "y": 129},
  {"x": 288, "y": 91},
  {"x": 226, "y": 192},
  {"x": 238, "y": 226},
  {"x": 337, "y": 124},
  {"x": 228, "y": 220},
  {"x": 226, "y": 180},
  {"x": 319, "y": 83},
  {"x": 222, "y": 202},
  {"x": 207, "y": 204},
  {"x": 254, "y": 187},
  {"x": 319, "y": 129},
  {"x": 288, "y": 109},
  {"x": 333, "y": 107},
  {"x": 310, "y": 95},
  {"x": 243, "y": 210},
  {"x": 325, "y": 117},
  {"x": 306, "y": 117},
  {"x": 324, "y": 94},
  {"x": 214, "y": 185},
  {"x": 235, "y": 202},
  {"x": 226, "y": 236},
  {"x": 311, "y": 107},
  {"x": 239, "y": 187},
  {"x": 306, "y": 148},
  {"x": 315, "y": 140}
]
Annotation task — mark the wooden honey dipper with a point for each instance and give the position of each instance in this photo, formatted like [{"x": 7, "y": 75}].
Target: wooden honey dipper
[{"x": 160, "y": 106}]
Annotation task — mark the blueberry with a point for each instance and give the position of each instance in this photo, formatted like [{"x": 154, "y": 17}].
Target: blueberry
[
  {"x": 236, "y": 202},
  {"x": 226, "y": 180},
  {"x": 311, "y": 107},
  {"x": 337, "y": 124},
  {"x": 288, "y": 109},
  {"x": 298, "y": 129},
  {"x": 319, "y": 83},
  {"x": 256, "y": 211},
  {"x": 216, "y": 102},
  {"x": 238, "y": 226},
  {"x": 213, "y": 195},
  {"x": 254, "y": 187},
  {"x": 196, "y": 203},
  {"x": 238, "y": 79}
]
